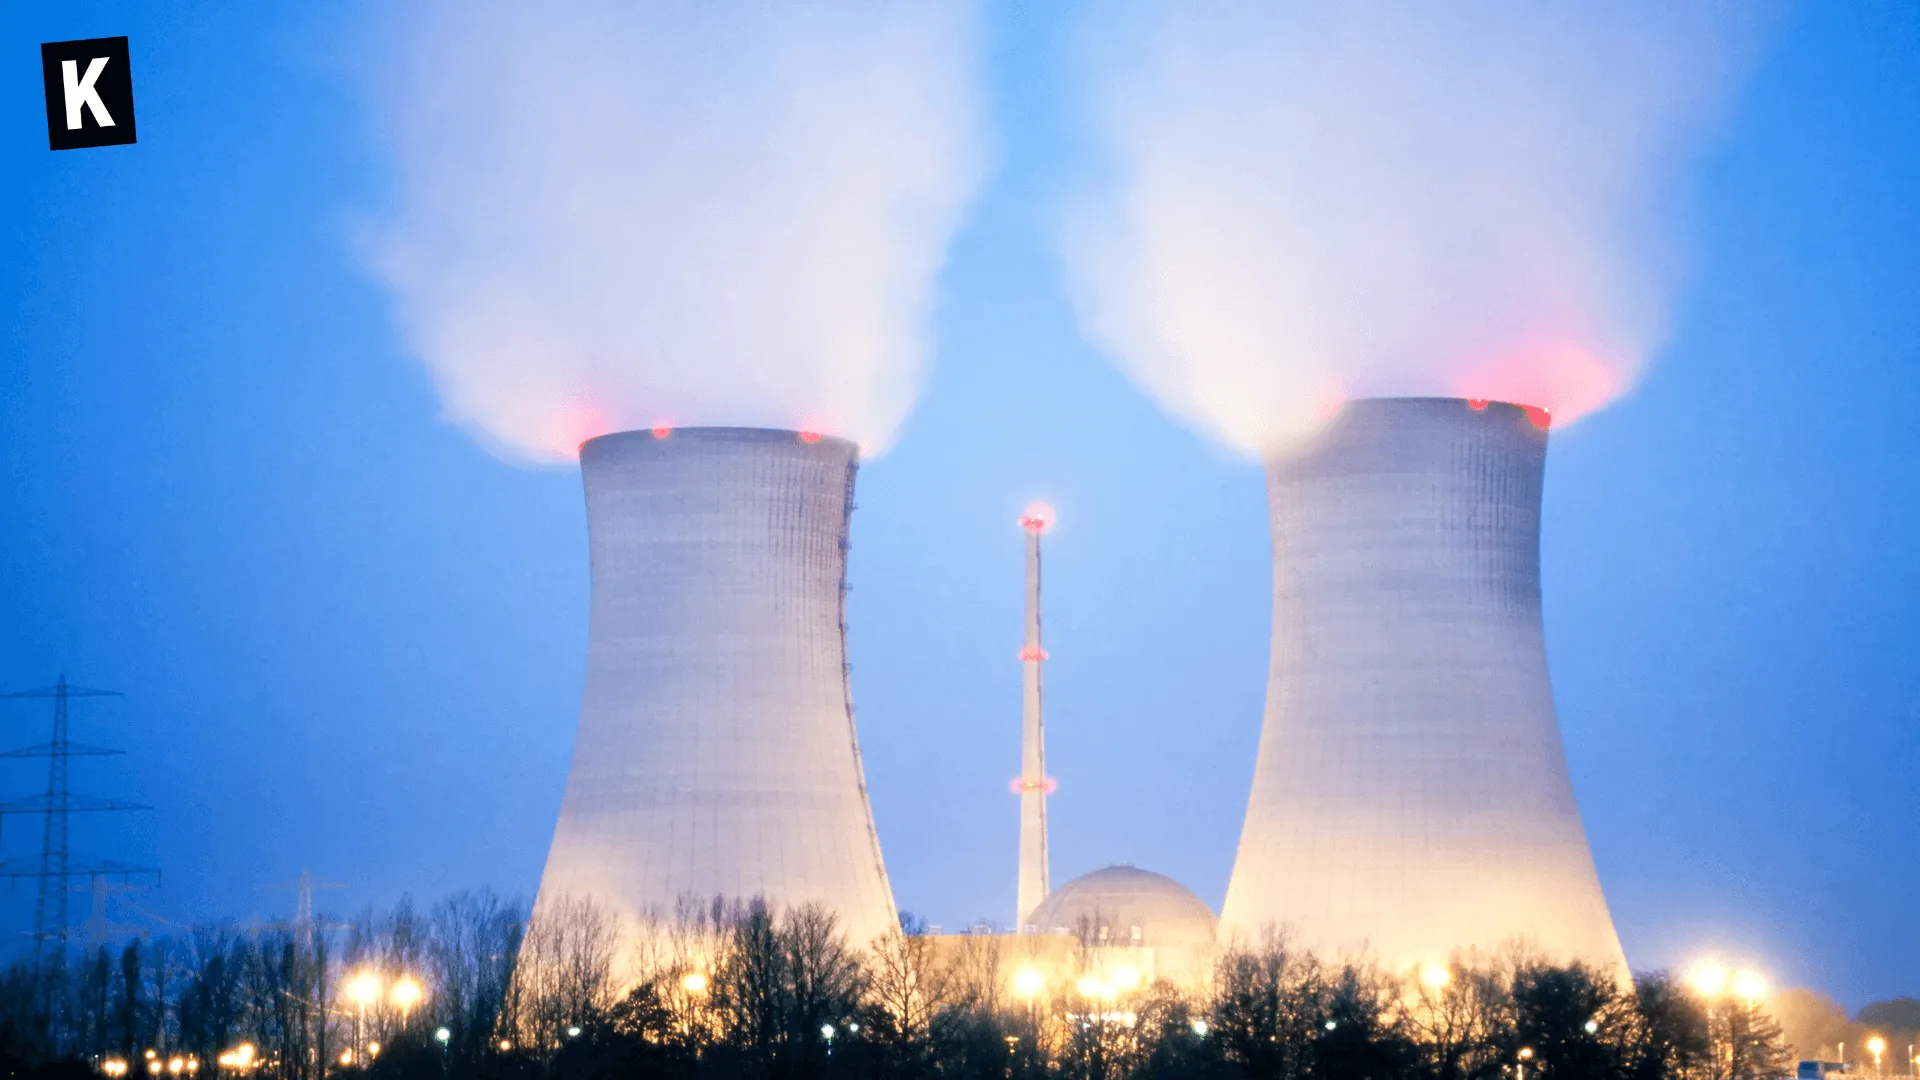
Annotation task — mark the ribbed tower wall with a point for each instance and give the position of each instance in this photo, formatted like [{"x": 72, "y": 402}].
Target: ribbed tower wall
[
  {"x": 716, "y": 753},
  {"x": 1410, "y": 797}
]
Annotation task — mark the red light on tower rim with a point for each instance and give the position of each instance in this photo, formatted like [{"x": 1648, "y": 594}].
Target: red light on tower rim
[
  {"x": 1037, "y": 517},
  {"x": 809, "y": 437},
  {"x": 661, "y": 431},
  {"x": 1539, "y": 415}
]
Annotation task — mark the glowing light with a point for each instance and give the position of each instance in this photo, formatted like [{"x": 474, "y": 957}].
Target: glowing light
[
  {"x": 573, "y": 1033},
  {"x": 809, "y": 436},
  {"x": 1033, "y": 652},
  {"x": 505, "y": 1045},
  {"x": 1592, "y": 1026},
  {"x": 1088, "y": 986},
  {"x": 1435, "y": 976},
  {"x": 153, "y": 1067},
  {"x": 1126, "y": 978},
  {"x": 1027, "y": 982},
  {"x": 1038, "y": 517},
  {"x": 1876, "y": 1046},
  {"x": 577, "y": 423},
  {"x": 694, "y": 982},
  {"x": 1750, "y": 986},
  {"x": 1477, "y": 404},
  {"x": 346, "y": 1057},
  {"x": 1539, "y": 417},
  {"x": 826, "y": 1031},
  {"x": 373, "y": 1049},
  {"x": 442, "y": 1034},
  {"x": 406, "y": 992},
  {"x": 1331, "y": 1025},
  {"x": 1708, "y": 978},
  {"x": 1200, "y": 1028},
  {"x": 174, "y": 1065},
  {"x": 1526, "y": 1053},
  {"x": 661, "y": 431},
  {"x": 114, "y": 1067},
  {"x": 364, "y": 988},
  {"x": 1565, "y": 376},
  {"x": 1020, "y": 785},
  {"x": 240, "y": 1057}
]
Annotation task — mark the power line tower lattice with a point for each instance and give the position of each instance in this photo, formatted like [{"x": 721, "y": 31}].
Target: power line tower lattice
[{"x": 56, "y": 865}]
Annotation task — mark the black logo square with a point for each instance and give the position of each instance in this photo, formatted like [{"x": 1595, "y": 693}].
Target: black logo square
[{"x": 89, "y": 93}]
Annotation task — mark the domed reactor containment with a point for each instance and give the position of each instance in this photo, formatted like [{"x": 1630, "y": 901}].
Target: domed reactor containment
[
  {"x": 1411, "y": 796},
  {"x": 716, "y": 753}
]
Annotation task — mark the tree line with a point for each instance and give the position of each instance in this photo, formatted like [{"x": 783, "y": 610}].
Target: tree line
[{"x": 472, "y": 988}]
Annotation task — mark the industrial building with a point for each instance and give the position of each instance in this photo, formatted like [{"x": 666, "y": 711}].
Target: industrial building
[
  {"x": 716, "y": 754},
  {"x": 1410, "y": 797}
]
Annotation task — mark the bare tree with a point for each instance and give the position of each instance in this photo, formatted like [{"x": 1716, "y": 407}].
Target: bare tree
[{"x": 563, "y": 977}]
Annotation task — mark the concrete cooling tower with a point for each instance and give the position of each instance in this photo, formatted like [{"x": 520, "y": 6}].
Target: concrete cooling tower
[
  {"x": 1410, "y": 797},
  {"x": 716, "y": 753}
]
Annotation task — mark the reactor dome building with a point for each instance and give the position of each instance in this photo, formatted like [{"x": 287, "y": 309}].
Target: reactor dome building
[
  {"x": 1410, "y": 796},
  {"x": 716, "y": 753}
]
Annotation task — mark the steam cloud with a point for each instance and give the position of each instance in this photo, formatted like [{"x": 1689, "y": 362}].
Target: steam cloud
[
  {"x": 617, "y": 215},
  {"x": 1316, "y": 201}
]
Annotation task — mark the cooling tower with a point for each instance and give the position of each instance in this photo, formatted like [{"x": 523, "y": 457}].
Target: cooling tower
[
  {"x": 716, "y": 753},
  {"x": 1411, "y": 797}
]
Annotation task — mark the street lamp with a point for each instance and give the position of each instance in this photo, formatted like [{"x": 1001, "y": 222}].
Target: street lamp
[
  {"x": 406, "y": 993},
  {"x": 1708, "y": 978},
  {"x": 1876, "y": 1046},
  {"x": 1028, "y": 981},
  {"x": 364, "y": 989},
  {"x": 694, "y": 982},
  {"x": 1435, "y": 976},
  {"x": 1526, "y": 1055}
]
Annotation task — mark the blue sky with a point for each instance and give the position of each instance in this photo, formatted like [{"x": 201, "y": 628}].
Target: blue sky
[{"x": 352, "y": 640}]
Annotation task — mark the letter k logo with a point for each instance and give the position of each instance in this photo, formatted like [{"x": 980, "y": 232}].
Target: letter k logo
[
  {"x": 89, "y": 93},
  {"x": 80, "y": 93}
]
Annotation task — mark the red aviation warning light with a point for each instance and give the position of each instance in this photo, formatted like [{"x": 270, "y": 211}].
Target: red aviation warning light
[
  {"x": 1539, "y": 415},
  {"x": 809, "y": 436},
  {"x": 1033, "y": 652},
  {"x": 661, "y": 431},
  {"x": 1037, "y": 517},
  {"x": 1020, "y": 785}
]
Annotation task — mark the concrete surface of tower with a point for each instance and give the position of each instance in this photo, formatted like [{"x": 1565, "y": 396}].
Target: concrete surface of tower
[
  {"x": 1033, "y": 783},
  {"x": 1411, "y": 795},
  {"x": 716, "y": 753}
]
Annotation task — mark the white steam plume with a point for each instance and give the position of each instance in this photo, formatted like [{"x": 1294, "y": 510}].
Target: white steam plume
[
  {"x": 614, "y": 215},
  {"x": 1314, "y": 201}
]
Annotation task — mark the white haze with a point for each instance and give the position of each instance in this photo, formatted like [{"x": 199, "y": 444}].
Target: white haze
[
  {"x": 1316, "y": 201},
  {"x": 614, "y": 215}
]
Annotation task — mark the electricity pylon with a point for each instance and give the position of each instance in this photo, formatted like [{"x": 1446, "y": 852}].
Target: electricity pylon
[{"x": 56, "y": 865}]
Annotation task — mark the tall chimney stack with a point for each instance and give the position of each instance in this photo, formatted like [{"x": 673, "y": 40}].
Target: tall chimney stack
[{"x": 1033, "y": 783}]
